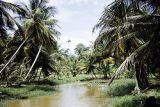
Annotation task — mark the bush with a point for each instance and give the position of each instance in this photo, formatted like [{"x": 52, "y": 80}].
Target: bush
[
  {"x": 126, "y": 101},
  {"x": 121, "y": 87},
  {"x": 120, "y": 94}
]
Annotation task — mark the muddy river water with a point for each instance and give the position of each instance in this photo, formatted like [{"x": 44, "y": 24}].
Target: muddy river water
[{"x": 68, "y": 95}]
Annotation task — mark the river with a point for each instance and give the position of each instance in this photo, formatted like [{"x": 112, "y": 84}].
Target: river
[{"x": 68, "y": 95}]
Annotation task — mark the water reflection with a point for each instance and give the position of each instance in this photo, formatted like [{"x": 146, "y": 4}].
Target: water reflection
[{"x": 70, "y": 95}]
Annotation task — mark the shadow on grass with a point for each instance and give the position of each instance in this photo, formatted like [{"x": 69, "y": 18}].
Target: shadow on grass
[
  {"x": 42, "y": 88},
  {"x": 42, "y": 82}
]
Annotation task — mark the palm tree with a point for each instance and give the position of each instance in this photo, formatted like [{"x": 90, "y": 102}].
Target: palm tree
[
  {"x": 129, "y": 36},
  {"x": 6, "y": 20},
  {"x": 38, "y": 32},
  {"x": 40, "y": 26}
]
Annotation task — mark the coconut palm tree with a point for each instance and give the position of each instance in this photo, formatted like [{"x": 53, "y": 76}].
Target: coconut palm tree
[
  {"x": 38, "y": 32},
  {"x": 128, "y": 37},
  {"x": 6, "y": 20},
  {"x": 40, "y": 26}
]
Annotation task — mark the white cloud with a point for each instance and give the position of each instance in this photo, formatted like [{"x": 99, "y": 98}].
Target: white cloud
[{"x": 79, "y": 2}]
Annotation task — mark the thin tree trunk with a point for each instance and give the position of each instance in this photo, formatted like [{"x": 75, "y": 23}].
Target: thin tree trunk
[
  {"x": 39, "y": 77},
  {"x": 33, "y": 63},
  {"x": 35, "y": 75},
  {"x": 13, "y": 56},
  {"x": 141, "y": 77},
  {"x": 22, "y": 67}
]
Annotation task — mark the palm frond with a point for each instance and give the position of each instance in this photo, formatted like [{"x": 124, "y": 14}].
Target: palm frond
[
  {"x": 129, "y": 62},
  {"x": 13, "y": 7}
]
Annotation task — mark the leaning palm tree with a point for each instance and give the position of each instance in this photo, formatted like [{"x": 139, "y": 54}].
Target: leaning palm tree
[
  {"x": 38, "y": 31},
  {"x": 7, "y": 22},
  {"x": 130, "y": 36},
  {"x": 40, "y": 27}
]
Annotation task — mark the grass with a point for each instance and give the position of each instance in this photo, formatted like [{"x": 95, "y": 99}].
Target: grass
[
  {"x": 121, "y": 87},
  {"x": 63, "y": 80},
  {"x": 25, "y": 92},
  {"x": 132, "y": 100},
  {"x": 126, "y": 101},
  {"x": 120, "y": 94},
  {"x": 38, "y": 88}
]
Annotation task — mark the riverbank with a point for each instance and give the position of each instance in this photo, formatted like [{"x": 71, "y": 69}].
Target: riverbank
[
  {"x": 121, "y": 93},
  {"x": 25, "y": 92},
  {"x": 79, "y": 94},
  {"x": 43, "y": 87}
]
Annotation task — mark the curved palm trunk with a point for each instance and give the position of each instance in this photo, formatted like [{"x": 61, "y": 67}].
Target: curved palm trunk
[
  {"x": 13, "y": 56},
  {"x": 33, "y": 62},
  {"x": 141, "y": 77}
]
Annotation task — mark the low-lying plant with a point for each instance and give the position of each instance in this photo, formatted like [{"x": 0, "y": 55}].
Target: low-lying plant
[
  {"x": 121, "y": 87},
  {"x": 126, "y": 101},
  {"x": 25, "y": 92}
]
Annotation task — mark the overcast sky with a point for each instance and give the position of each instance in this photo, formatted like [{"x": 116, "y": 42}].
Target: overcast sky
[{"x": 76, "y": 20}]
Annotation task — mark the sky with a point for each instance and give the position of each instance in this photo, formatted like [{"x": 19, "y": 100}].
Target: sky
[{"x": 76, "y": 20}]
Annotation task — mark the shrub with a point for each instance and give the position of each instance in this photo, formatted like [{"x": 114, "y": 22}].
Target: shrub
[
  {"x": 126, "y": 101},
  {"x": 121, "y": 87}
]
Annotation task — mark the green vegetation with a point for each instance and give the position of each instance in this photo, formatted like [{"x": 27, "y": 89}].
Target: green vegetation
[
  {"x": 38, "y": 88},
  {"x": 129, "y": 34},
  {"x": 121, "y": 87},
  {"x": 63, "y": 80},
  {"x": 25, "y": 92},
  {"x": 126, "y": 101},
  {"x": 128, "y": 46},
  {"x": 122, "y": 94}
]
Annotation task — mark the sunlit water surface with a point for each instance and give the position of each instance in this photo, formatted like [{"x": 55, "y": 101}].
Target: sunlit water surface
[{"x": 69, "y": 95}]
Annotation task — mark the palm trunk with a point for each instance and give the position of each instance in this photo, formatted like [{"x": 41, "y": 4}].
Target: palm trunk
[
  {"x": 33, "y": 62},
  {"x": 13, "y": 56},
  {"x": 35, "y": 75},
  {"x": 141, "y": 77}
]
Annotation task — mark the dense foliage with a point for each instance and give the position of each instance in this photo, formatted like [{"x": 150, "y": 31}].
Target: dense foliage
[
  {"x": 129, "y": 33},
  {"x": 128, "y": 40},
  {"x": 31, "y": 44}
]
